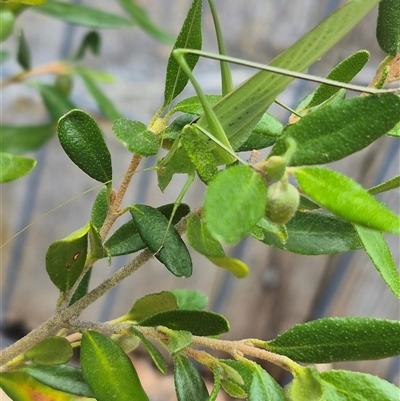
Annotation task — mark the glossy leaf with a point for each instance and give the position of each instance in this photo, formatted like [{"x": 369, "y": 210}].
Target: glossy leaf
[
  {"x": 152, "y": 304},
  {"x": 263, "y": 386},
  {"x": 13, "y": 167},
  {"x": 65, "y": 259},
  {"x": 393, "y": 183},
  {"x": 83, "y": 15},
  {"x": 61, "y": 377},
  {"x": 355, "y": 386},
  {"x": 199, "y": 323},
  {"x": 56, "y": 102},
  {"x": 189, "y": 385},
  {"x": 256, "y": 94},
  {"x": 379, "y": 252},
  {"x": 108, "y": 371},
  {"x": 19, "y": 386},
  {"x": 50, "y": 351},
  {"x": 315, "y": 233},
  {"x": 343, "y": 72},
  {"x": 20, "y": 139},
  {"x": 155, "y": 354},
  {"x": 177, "y": 340},
  {"x": 387, "y": 31},
  {"x": 235, "y": 201},
  {"x": 190, "y": 299},
  {"x": 24, "y": 56},
  {"x": 338, "y": 130},
  {"x": 140, "y": 17},
  {"x": 83, "y": 142},
  {"x": 346, "y": 198},
  {"x": 99, "y": 209},
  {"x": 91, "y": 41},
  {"x": 189, "y": 38},
  {"x": 339, "y": 339},
  {"x": 162, "y": 239},
  {"x": 135, "y": 136}
]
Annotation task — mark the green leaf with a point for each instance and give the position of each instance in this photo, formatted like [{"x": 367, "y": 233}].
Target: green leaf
[
  {"x": 83, "y": 142},
  {"x": 19, "y": 139},
  {"x": 155, "y": 354},
  {"x": 379, "y": 252},
  {"x": 91, "y": 41},
  {"x": 135, "y": 136},
  {"x": 83, "y": 288},
  {"x": 237, "y": 377},
  {"x": 242, "y": 108},
  {"x": 387, "y": 30},
  {"x": 55, "y": 100},
  {"x": 62, "y": 377},
  {"x": 100, "y": 209},
  {"x": 190, "y": 299},
  {"x": 152, "y": 304},
  {"x": 189, "y": 385},
  {"x": 316, "y": 233},
  {"x": 343, "y": 72},
  {"x": 162, "y": 239},
  {"x": 234, "y": 202},
  {"x": 199, "y": 154},
  {"x": 199, "y": 323},
  {"x": 339, "y": 339},
  {"x": 395, "y": 131},
  {"x": 306, "y": 385},
  {"x": 192, "y": 105},
  {"x": 235, "y": 266},
  {"x": 140, "y": 17},
  {"x": 13, "y": 167},
  {"x": 263, "y": 386},
  {"x": 340, "y": 129},
  {"x": 189, "y": 38},
  {"x": 50, "y": 351},
  {"x": 65, "y": 259},
  {"x": 177, "y": 340},
  {"x": 23, "y": 52},
  {"x": 393, "y": 183},
  {"x": 106, "y": 106},
  {"x": 97, "y": 251},
  {"x": 346, "y": 198},
  {"x": 83, "y": 15},
  {"x": 4, "y": 56},
  {"x": 341, "y": 385},
  {"x": 7, "y": 20},
  {"x": 108, "y": 371}
]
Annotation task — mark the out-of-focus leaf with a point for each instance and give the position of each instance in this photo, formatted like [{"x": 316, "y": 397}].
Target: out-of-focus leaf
[
  {"x": 91, "y": 41},
  {"x": 13, "y": 167},
  {"x": 23, "y": 52},
  {"x": 65, "y": 258},
  {"x": 4, "y": 56},
  {"x": 83, "y": 15},
  {"x": 387, "y": 30},
  {"x": 50, "y": 351},
  {"x": 7, "y": 20},
  {"x": 393, "y": 183},
  {"x": 83, "y": 142}
]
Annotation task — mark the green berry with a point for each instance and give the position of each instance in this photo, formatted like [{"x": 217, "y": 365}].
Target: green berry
[{"x": 282, "y": 202}]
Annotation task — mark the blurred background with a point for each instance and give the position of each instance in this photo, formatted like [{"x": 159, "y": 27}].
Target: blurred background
[{"x": 282, "y": 289}]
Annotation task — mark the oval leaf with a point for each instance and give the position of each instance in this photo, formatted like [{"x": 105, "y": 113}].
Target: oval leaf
[
  {"x": 189, "y": 384},
  {"x": 340, "y": 129},
  {"x": 177, "y": 340},
  {"x": 13, "y": 167},
  {"x": 65, "y": 259},
  {"x": 234, "y": 266},
  {"x": 162, "y": 239},
  {"x": 190, "y": 299},
  {"x": 387, "y": 30},
  {"x": 339, "y": 339},
  {"x": 346, "y": 198},
  {"x": 199, "y": 323},
  {"x": 235, "y": 201},
  {"x": 108, "y": 370},
  {"x": 83, "y": 142},
  {"x": 50, "y": 351},
  {"x": 99, "y": 209},
  {"x": 135, "y": 137},
  {"x": 315, "y": 233}
]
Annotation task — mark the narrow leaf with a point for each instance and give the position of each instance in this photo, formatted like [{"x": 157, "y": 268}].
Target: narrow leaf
[
  {"x": 91, "y": 41},
  {"x": 189, "y": 38},
  {"x": 338, "y": 130},
  {"x": 199, "y": 323},
  {"x": 393, "y": 183},
  {"x": 379, "y": 252},
  {"x": 83, "y": 142},
  {"x": 108, "y": 371},
  {"x": 235, "y": 201},
  {"x": 189, "y": 385},
  {"x": 339, "y": 339},
  {"x": 387, "y": 30},
  {"x": 50, "y": 351},
  {"x": 83, "y": 15},
  {"x": 190, "y": 299},
  {"x": 23, "y": 53},
  {"x": 135, "y": 136},
  {"x": 315, "y": 233},
  {"x": 99, "y": 209},
  {"x": 65, "y": 259},
  {"x": 192, "y": 105},
  {"x": 13, "y": 167},
  {"x": 346, "y": 198},
  {"x": 162, "y": 239}
]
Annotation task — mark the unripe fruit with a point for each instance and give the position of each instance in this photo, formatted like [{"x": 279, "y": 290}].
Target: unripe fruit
[
  {"x": 7, "y": 19},
  {"x": 282, "y": 202}
]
